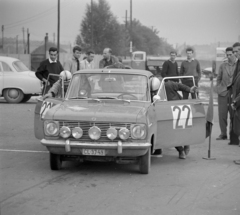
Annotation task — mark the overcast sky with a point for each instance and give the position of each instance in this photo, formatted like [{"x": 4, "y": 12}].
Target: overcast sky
[{"x": 179, "y": 21}]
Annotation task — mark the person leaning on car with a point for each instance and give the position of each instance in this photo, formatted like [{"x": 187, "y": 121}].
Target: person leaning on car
[
  {"x": 172, "y": 94},
  {"x": 170, "y": 67},
  {"x": 224, "y": 78},
  {"x": 49, "y": 66},
  {"x": 72, "y": 65}
]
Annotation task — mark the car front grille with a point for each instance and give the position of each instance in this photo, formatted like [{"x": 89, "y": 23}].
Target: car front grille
[{"x": 85, "y": 126}]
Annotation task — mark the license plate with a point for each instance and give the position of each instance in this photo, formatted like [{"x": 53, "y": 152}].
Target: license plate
[{"x": 96, "y": 152}]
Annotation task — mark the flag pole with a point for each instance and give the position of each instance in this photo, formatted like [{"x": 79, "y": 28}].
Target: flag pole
[{"x": 209, "y": 121}]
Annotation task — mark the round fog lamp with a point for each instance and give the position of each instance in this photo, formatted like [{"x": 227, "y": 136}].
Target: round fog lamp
[
  {"x": 124, "y": 133},
  {"x": 65, "y": 132},
  {"x": 94, "y": 133},
  {"x": 112, "y": 133},
  {"x": 77, "y": 132}
]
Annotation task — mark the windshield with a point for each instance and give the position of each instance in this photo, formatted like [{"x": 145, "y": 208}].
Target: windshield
[
  {"x": 109, "y": 86},
  {"x": 19, "y": 66}
]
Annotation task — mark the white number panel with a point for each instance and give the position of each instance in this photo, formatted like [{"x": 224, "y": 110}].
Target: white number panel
[{"x": 182, "y": 116}]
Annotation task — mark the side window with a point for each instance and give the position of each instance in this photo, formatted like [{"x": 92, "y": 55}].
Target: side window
[{"x": 5, "y": 67}]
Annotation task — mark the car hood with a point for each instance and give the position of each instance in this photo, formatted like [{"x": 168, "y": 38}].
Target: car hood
[{"x": 92, "y": 110}]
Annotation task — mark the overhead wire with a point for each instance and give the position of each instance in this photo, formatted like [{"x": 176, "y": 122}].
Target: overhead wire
[{"x": 35, "y": 17}]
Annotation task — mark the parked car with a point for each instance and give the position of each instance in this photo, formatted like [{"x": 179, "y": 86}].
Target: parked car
[
  {"x": 113, "y": 115},
  {"x": 17, "y": 82}
]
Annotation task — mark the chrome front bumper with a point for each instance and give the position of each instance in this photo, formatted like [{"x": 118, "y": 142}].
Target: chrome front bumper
[{"x": 113, "y": 149}]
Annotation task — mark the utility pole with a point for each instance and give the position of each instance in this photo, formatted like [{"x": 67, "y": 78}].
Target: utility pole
[
  {"x": 24, "y": 47},
  {"x": 130, "y": 25},
  {"x": 91, "y": 24},
  {"x": 126, "y": 26},
  {"x": 2, "y": 37},
  {"x": 28, "y": 42},
  {"x": 54, "y": 38},
  {"x": 46, "y": 43},
  {"x": 17, "y": 44},
  {"x": 58, "y": 30}
]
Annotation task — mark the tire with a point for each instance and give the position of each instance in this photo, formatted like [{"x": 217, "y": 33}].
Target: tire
[
  {"x": 145, "y": 163},
  {"x": 13, "y": 95},
  {"x": 26, "y": 98},
  {"x": 55, "y": 162}
]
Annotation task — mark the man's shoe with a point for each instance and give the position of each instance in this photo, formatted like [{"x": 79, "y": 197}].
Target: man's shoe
[
  {"x": 237, "y": 162},
  {"x": 222, "y": 137},
  {"x": 182, "y": 155},
  {"x": 186, "y": 149}
]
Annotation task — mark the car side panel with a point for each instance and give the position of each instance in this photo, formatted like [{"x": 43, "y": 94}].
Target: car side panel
[
  {"x": 22, "y": 81},
  {"x": 1, "y": 80},
  {"x": 180, "y": 123}
]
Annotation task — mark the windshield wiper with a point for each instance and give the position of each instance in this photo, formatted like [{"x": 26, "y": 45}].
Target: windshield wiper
[
  {"x": 78, "y": 97},
  {"x": 106, "y": 97}
]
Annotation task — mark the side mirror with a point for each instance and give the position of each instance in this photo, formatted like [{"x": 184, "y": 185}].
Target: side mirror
[{"x": 156, "y": 98}]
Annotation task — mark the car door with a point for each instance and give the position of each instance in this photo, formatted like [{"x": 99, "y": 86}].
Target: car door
[
  {"x": 179, "y": 122},
  {"x": 1, "y": 79}
]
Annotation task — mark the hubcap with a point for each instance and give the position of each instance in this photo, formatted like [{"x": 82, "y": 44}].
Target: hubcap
[{"x": 13, "y": 93}]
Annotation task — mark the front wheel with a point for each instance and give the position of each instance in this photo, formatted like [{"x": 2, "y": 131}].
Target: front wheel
[
  {"x": 145, "y": 163},
  {"x": 55, "y": 161},
  {"x": 13, "y": 95}
]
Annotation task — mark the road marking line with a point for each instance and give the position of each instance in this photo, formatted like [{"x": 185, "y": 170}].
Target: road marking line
[{"x": 15, "y": 150}]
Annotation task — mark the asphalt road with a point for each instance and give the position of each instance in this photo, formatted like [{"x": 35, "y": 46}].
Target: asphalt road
[{"x": 188, "y": 187}]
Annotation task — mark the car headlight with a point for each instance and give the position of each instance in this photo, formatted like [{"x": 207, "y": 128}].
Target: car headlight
[
  {"x": 65, "y": 132},
  {"x": 77, "y": 132},
  {"x": 94, "y": 133},
  {"x": 51, "y": 128},
  {"x": 124, "y": 133},
  {"x": 112, "y": 133},
  {"x": 138, "y": 131}
]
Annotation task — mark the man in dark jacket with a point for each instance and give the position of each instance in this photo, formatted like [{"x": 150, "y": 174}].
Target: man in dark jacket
[
  {"x": 108, "y": 59},
  {"x": 49, "y": 66},
  {"x": 170, "y": 67}
]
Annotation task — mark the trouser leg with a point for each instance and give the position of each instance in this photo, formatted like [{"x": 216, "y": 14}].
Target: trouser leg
[
  {"x": 223, "y": 113},
  {"x": 179, "y": 148}
]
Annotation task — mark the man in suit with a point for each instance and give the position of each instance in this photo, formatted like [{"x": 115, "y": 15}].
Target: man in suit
[
  {"x": 72, "y": 65},
  {"x": 224, "y": 78},
  {"x": 49, "y": 66}
]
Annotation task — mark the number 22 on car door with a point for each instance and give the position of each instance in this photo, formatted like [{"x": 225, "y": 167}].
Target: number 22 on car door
[{"x": 182, "y": 116}]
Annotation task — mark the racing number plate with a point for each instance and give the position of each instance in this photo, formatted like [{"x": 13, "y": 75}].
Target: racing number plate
[{"x": 96, "y": 152}]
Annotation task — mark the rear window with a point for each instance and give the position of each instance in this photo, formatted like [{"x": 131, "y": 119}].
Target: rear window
[{"x": 20, "y": 66}]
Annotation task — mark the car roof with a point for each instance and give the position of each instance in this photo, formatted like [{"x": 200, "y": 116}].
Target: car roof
[
  {"x": 8, "y": 59},
  {"x": 117, "y": 71}
]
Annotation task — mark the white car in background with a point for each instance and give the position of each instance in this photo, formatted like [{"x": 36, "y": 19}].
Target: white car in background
[{"x": 17, "y": 82}]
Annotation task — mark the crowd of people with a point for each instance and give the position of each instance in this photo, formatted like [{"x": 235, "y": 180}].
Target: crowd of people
[{"x": 228, "y": 83}]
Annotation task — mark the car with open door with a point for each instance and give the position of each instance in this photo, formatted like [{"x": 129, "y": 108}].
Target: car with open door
[{"x": 116, "y": 115}]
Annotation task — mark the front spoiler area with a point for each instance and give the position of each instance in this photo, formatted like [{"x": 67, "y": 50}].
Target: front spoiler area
[{"x": 116, "y": 149}]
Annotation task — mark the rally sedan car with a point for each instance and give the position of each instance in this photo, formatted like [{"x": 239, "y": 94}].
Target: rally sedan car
[{"x": 116, "y": 115}]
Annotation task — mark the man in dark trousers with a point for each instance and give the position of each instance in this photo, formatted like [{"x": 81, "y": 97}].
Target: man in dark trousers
[
  {"x": 170, "y": 67},
  {"x": 190, "y": 67},
  {"x": 49, "y": 66},
  {"x": 224, "y": 79},
  {"x": 234, "y": 101}
]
